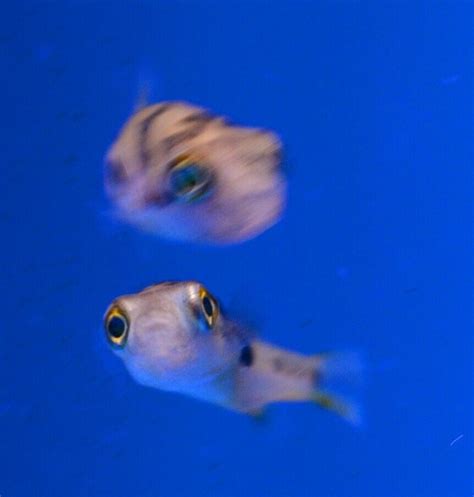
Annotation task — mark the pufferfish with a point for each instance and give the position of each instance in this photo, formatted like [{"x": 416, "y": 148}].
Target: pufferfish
[
  {"x": 174, "y": 336},
  {"x": 180, "y": 172}
]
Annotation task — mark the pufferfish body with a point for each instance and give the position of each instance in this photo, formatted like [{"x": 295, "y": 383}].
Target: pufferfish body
[
  {"x": 182, "y": 173},
  {"x": 174, "y": 336}
]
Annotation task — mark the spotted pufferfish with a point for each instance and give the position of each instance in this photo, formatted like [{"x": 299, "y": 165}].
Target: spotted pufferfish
[
  {"x": 183, "y": 173},
  {"x": 174, "y": 336}
]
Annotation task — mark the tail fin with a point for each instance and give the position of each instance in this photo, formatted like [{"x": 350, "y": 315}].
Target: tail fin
[{"x": 335, "y": 374}]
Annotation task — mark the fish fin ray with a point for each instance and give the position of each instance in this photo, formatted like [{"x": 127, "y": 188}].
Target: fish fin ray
[{"x": 338, "y": 377}]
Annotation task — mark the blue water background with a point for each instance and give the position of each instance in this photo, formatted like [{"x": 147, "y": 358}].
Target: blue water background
[{"x": 374, "y": 104}]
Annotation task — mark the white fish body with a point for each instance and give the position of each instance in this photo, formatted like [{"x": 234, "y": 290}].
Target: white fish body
[{"x": 173, "y": 336}]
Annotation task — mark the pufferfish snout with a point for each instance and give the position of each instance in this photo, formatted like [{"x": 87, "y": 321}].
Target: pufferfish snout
[{"x": 182, "y": 173}]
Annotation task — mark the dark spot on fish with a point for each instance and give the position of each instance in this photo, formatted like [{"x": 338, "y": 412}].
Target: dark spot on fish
[
  {"x": 143, "y": 132},
  {"x": 246, "y": 356},
  {"x": 278, "y": 363}
]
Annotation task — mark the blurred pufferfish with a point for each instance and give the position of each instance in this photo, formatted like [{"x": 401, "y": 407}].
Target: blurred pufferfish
[{"x": 183, "y": 173}]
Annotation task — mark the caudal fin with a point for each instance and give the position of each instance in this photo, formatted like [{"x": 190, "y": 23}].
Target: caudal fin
[{"x": 338, "y": 377}]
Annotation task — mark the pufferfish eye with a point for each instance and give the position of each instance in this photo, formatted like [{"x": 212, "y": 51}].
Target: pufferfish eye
[
  {"x": 190, "y": 181},
  {"x": 116, "y": 327},
  {"x": 208, "y": 310}
]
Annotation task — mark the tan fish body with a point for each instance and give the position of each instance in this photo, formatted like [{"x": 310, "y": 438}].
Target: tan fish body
[
  {"x": 184, "y": 174},
  {"x": 173, "y": 336}
]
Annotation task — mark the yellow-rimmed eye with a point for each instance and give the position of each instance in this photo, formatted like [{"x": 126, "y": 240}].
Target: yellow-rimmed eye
[
  {"x": 209, "y": 307},
  {"x": 116, "y": 327}
]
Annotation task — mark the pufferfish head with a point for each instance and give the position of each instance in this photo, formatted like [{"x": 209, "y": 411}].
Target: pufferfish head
[
  {"x": 185, "y": 174},
  {"x": 171, "y": 335}
]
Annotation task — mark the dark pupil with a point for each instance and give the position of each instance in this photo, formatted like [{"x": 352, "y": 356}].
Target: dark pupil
[
  {"x": 184, "y": 180},
  {"x": 207, "y": 304},
  {"x": 191, "y": 182},
  {"x": 116, "y": 327}
]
